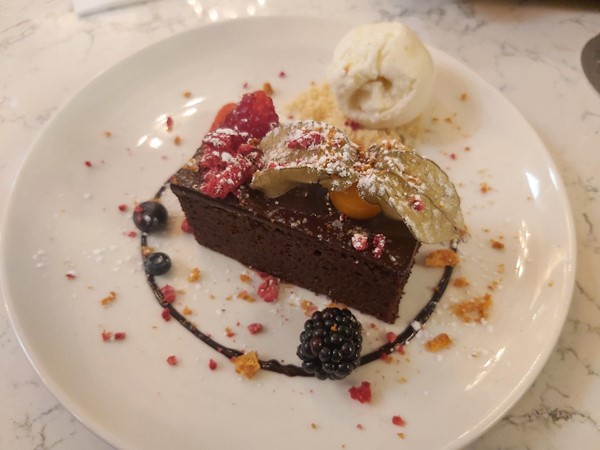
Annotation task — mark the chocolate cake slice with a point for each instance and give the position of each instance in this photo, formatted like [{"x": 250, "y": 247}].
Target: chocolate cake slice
[
  {"x": 302, "y": 239},
  {"x": 261, "y": 192}
]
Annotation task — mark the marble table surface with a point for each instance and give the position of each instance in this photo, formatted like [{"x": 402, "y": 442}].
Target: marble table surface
[{"x": 529, "y": 50}]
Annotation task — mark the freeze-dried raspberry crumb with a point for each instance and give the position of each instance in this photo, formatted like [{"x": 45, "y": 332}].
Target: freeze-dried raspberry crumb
[
  {"x": 122, "y": 207},
  {"x": 185, "y": 226},
  {"x": 390, "y": 336},
  {"x": 172, "y": 360},
  {"x": 306, "y": 140},
  {"x": 397, "y": 420},
  {"x": 255, "y": 328},
  {"x": 417, "y": 204},
  {"x": 168, "y": 293},
  {"x": 361, "y": 393},
  {"x": 88, "y": 163},
  {"x": 169, "y": 123},
  {"x": 378, "y": 245},
  {"x": 106, "y": 336},
  {"x": 132, "y": 234},
  {"x": 360, "y": 426},
  {"x": 269, "y": 289},
  {"x": 166, "y": 314},
  {"x": 120, "y": 335},
  {"x": 353, "y": 125},
  {"x": 70, "y": 275},
  {"x": 212, "y": 364},
  {"x": 359, "y": 241},
  {"x": 229, "y": 332},
  {"x": 282, "y": 74}
]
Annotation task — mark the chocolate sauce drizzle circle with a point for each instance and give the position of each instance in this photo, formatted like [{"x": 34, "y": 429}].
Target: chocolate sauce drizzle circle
[{"x": 293, "y": 370}]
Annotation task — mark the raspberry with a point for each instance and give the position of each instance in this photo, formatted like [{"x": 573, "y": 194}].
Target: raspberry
[
  {"x": 254, "y": 114},
  {"x": 330, "y": 344}
]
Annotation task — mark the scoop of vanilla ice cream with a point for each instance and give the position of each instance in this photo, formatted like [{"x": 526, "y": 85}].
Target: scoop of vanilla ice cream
[{"x": 381, "y": 75}]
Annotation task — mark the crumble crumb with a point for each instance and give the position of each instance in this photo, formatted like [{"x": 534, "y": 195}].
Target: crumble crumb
[
  {"x": 245, "y": 278},
  {"x": 473, "y": 310},
  {"x": 460, "y": 282},
  {"x": 496, "y": 244},
  {"x": 244, "y": 295},
  {"x": 194, "y": 275},
  {"x": 317, "y": 103},
  {"x": 308, "y": 307},
  {"x": 268, "y": 88},
  {"x": 442, "y": 258},
  {"x": 107, "y": 134},
  {"x": 485, "y": 188},
  {"x": 440, "y": 342},
  {"x": 247, "y": 364},
  {"x": 111, "y": 297}
]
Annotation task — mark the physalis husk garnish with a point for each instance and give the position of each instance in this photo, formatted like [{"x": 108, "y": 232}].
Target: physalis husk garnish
[
  {"x": 407, "y": 186},
  {"x": 305, "y": 152},
  {"x": 413, "y": 189}
]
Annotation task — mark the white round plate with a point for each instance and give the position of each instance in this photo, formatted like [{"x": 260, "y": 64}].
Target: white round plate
[{"x": 63, "y": 218}]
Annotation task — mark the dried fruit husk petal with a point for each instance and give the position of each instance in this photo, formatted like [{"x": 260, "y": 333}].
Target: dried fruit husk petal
[
  {"x": 305, "y": 152},
  {"x": 405, "y": 185},
  {"x": 413, "y": 189}
]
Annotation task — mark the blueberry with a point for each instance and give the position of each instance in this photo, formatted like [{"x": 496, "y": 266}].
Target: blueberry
[
  {"x": 150, "y": 216},
  {"x": 157, "y": 263}
]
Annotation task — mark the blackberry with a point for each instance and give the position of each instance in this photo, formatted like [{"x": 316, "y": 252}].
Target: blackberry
[
  {"x": 150, "y": 216},
  {"x": 330, "y": 344}
]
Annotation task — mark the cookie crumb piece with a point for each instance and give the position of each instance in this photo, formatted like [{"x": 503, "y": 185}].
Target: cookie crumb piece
[
  {"x": 244, "y": 295},
  {"x": 442, "y": 258},
  {"x": 473, "y": 310},
  {"x": 460, "y": 282},
  {"x": 247, "y": 364},
  {"x": 268, "y": 88},
  {"x": 308, "y": 307},
  {"x": 313, "y": 426},
  {"x": 245, "y": 278},
  {"x": 438, "y": 343},
  {"x": 111, "y": 297},
  {"x": 194, "y": 275},
  {"x": 497, "y": 244}
]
